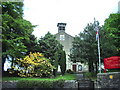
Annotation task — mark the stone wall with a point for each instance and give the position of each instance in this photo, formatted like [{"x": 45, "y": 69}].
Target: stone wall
[
  {"x": 70, "y": 84},
  {"x": 108, "y": 80}
]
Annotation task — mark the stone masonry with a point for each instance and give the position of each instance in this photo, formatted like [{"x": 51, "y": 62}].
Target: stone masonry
[{"x": 109, "y": 80}]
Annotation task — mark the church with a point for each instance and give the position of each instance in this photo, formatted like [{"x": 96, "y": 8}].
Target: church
[{"x": 66, "y": 40}]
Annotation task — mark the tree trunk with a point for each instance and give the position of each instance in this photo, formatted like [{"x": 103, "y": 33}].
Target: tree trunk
[
  {"x": 96, "y": 66},
  {"x": 91, "y": 67},
  {"x": 12, "y": 62}
]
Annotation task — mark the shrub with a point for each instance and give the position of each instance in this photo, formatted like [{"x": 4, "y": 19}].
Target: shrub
[
  {"x": 58, "y": 83},
  {"x": 70, "y": 71},
  {"x": 89, "y": 74},
  {"x": 40, "y": 83},
  {"x": 34, "y": 64}
]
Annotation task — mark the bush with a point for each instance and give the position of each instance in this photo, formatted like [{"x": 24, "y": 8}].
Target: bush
[
  {"x": 113, "y": 70},
  {"x": 89, "y": 74},
  {"x": 40, "y": 83},
  {"x": 70, "y": 71},
  {"x": 58, "y": 83},
  {"x": 34, "y": 64}
]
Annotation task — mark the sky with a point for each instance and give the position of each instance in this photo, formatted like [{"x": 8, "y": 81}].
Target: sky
[{"x": 76, "y": 13}]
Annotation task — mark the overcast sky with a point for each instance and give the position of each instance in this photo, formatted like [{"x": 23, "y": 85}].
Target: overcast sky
[{"x": 76, "y": 13}]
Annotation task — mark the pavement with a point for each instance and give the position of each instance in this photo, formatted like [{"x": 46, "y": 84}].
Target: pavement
[{"x": 79, "y": 76}]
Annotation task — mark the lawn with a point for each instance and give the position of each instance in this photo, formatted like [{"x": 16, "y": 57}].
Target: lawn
[{"x": 65, "y": 77}]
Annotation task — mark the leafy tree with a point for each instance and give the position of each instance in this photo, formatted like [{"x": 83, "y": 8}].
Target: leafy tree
[
  {"x": 108, "y": 48},
  {"x": 85, "y": 48},
  {"x": 112, "y": 28},
  {"x": 62, "y": 62},
  {"x": 51, "y": 48},
  {"x": 15, "y": 30},
  {"x": 34, "y": 64},
  {"x": 31, "y": 44}
]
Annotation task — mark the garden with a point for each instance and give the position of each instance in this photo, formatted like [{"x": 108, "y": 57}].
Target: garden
[{"x": 34, "y": 70}]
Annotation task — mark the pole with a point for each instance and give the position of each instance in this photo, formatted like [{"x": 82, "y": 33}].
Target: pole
[
  {"x": 96, "y": 28},
  {"x": 99, "y": 54}
]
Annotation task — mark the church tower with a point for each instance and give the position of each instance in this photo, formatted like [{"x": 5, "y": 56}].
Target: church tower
[
  {"x": 66, "y": 40},
  {"x": 61, "y": 27}
]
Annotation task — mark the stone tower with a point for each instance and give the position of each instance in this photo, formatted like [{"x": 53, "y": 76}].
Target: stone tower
[{"x": 66, "y": 40}]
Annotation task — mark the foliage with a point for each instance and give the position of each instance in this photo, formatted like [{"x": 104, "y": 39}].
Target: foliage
[
  {"x": 113, "y": 70},
  {"x": 62, "y": 61},
  {"x": 58, "y": 83},
  {"x": 35, "y": 64},
  {"x": 39, "y": 83},
  {"x": 112, "y": 27},
  {"x": 52, "y": 49},
  {"x": 70, "y": 71},
  {"x": 85, "y": 48},
  {"x": 34, "y": 83},
  {"x": 90, "y": 74},
  {"x": 49, "y": 46},
  {"x": 15, "y": 30}
]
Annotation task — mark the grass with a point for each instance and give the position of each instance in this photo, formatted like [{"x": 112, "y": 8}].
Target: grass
[{"x": 65, "y": 77}]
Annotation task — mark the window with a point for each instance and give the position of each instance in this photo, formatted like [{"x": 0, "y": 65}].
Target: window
[{"x": 62, "y": 37}]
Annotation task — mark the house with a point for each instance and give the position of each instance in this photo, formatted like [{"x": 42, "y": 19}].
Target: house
[{"x": 66, "y": 40}]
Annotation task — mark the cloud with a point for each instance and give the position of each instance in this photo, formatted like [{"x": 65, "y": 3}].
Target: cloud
[{"x": 76, "y": 13}]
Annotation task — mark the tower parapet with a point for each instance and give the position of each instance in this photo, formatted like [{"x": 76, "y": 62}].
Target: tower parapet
[{"x": 61, "y": 27}]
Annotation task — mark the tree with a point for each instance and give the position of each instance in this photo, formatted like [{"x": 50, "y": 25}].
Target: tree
[
  {"x": 15, "y": 30},
  {"x": 51, "y": 48},
  {"x": 112, "y": 28},
  {"x": 62, "y": 62},
  {"x": 85, "y": 48}
]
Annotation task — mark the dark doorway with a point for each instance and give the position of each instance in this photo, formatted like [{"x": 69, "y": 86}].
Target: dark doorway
[{"x": 74, "y": 68}]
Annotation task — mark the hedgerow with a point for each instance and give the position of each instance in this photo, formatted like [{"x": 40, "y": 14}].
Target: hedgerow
[{"x": 40, "y": 83}]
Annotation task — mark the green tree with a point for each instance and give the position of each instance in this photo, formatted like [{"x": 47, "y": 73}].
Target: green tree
[
  {"x": 62, "y": 62},
  {"x": 85, "y": 48},
  {"x": 112, "y": 28},
  {"x": 15, "y": 30},
  {"x": 51, "y": 48}
]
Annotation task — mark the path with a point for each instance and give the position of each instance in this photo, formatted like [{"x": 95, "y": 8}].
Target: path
[{"x": 79, "y": 76}]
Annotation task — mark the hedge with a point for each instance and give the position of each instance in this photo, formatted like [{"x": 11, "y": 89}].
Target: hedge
[{"x": 40, "y": 83}]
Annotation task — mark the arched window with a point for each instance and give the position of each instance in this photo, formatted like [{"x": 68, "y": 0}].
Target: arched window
[{"x": 79, "y": 67}]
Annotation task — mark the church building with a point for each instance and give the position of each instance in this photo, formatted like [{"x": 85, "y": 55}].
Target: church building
[{"x": 66, "y": 40}]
